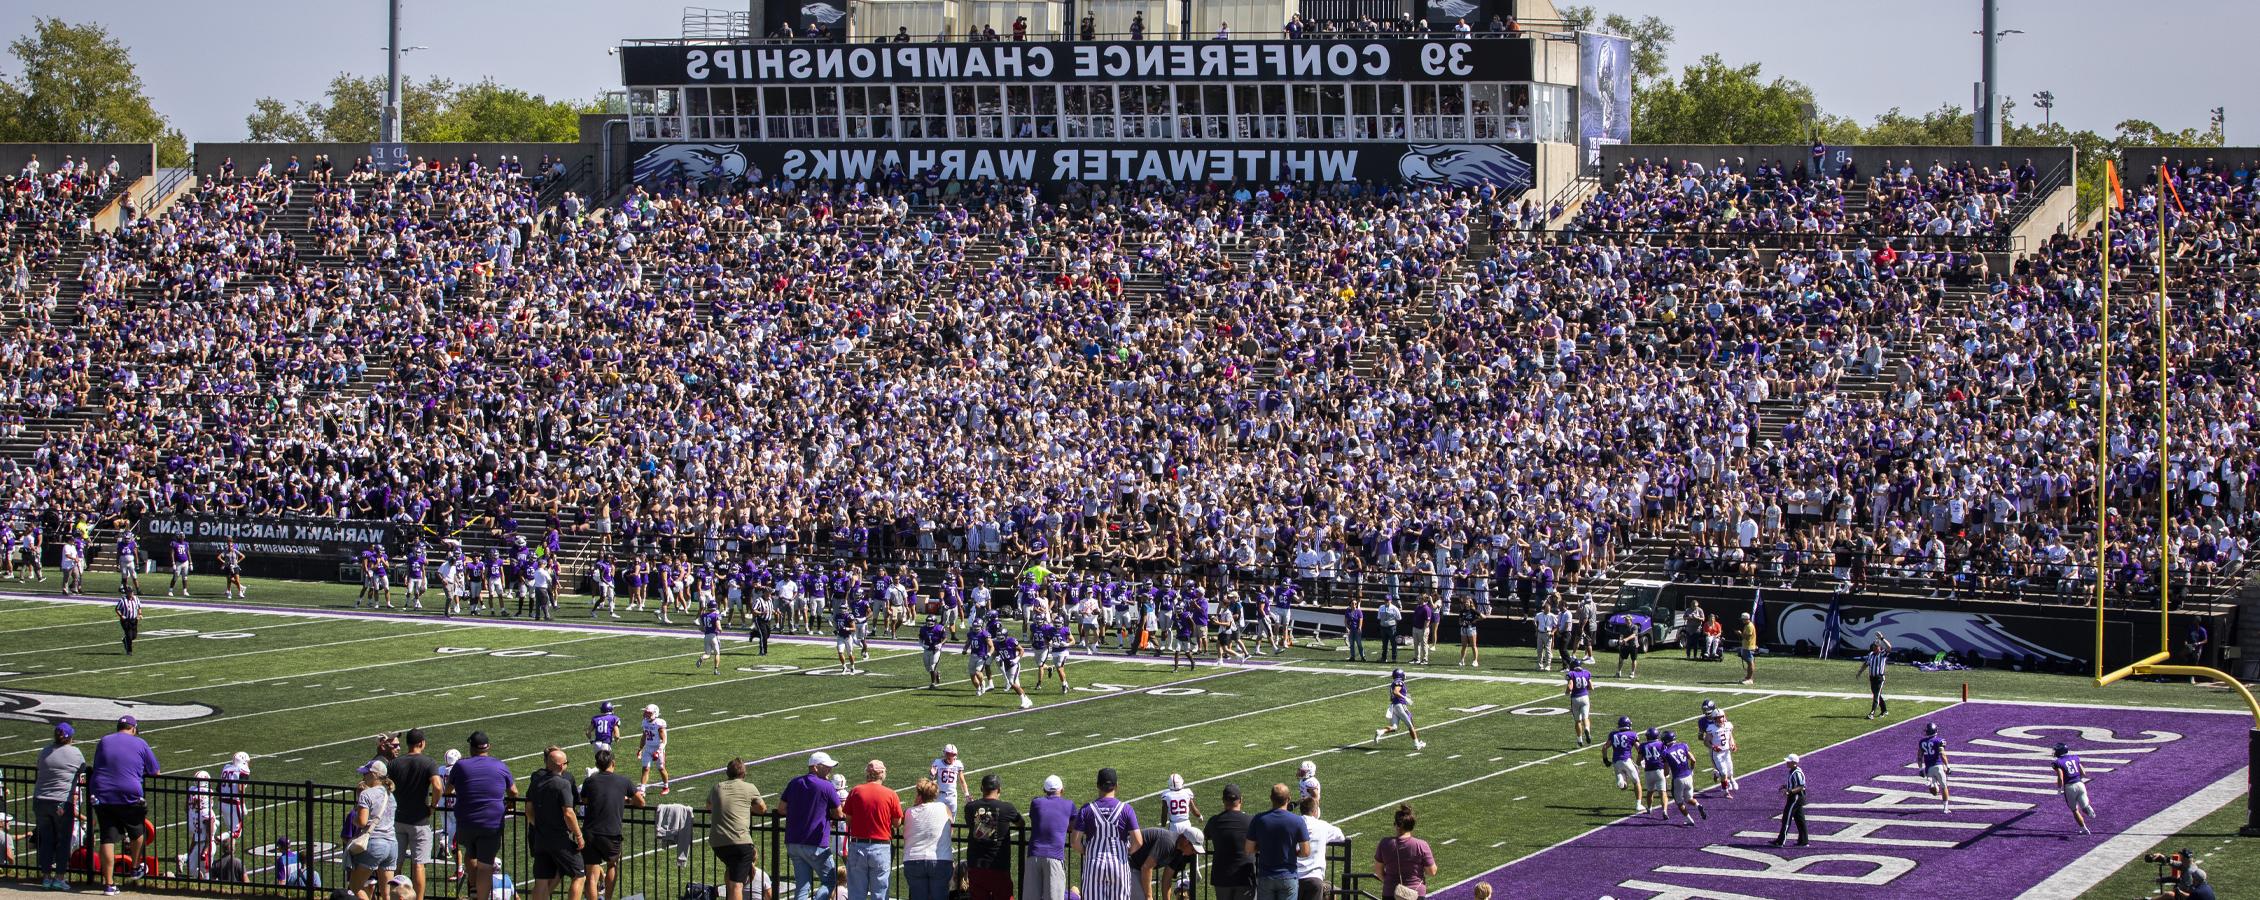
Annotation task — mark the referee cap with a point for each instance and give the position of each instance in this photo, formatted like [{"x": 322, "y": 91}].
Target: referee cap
[{"x": 1790, "y": 759}]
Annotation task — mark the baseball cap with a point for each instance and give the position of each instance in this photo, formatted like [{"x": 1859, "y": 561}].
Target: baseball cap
[
  {"x": 652, "y": 708},
  {"x": 478, "y": 740},
  {"x": 1231, "y": 792},
  {"x": 1052, "y": 784},
  {"x": 64, "y": 729},
  {"x": 377, "y": 767},
  {"x": 1192, "y": 836},
  {"x": 128, "y": 722},
  {"x": 1790, "y": 759},
  {"x": 1108, "y": 779},
  {"x": 821, "y": 758},
  {"x": 949, "y": 749}
]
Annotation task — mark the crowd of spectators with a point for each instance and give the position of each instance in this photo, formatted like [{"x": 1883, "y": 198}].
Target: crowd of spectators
[
  {"x": 1350, "y": 385},
  {"x": 1905, "y": 205}
]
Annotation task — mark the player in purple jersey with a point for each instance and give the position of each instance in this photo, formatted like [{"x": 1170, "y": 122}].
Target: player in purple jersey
[
  {"x": 178, "y": 566},
  {"x": 1055, "y": 648},
  {"x": 1578, "y": 687},
  {"x": 710, "y": 631},
  {"x": 1181, "y": 643},
  {"x": 1680, "y": 761},
  {"x": 1622, "y": 753},
  {"x": 977, "y": 649},
  {"x": 129, "y": 561},
  {"x": 380, "y": 578},
  {"x": 604, "y": 727},
  {"x": 1008, "y": 668},
  {"x": 2071, "y": 781},
  {"x": 930, "y": 638},
  {"x": 1400, "y": 711},
  {"x": 1652, "y": 780},
  {"x": 843, "y": 639},
  {"x": 607, "y": 599},
  {"x": 1930, "y": 758}
]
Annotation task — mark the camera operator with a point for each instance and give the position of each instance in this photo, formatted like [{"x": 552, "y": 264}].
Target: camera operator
[{"x": 2187, "y": 882}]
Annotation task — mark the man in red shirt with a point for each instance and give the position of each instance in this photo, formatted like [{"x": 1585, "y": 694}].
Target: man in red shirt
[{"x": 874, "y": 811}]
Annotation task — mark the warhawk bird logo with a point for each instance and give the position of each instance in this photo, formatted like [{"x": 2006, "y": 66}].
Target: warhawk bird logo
[
  {"x": 1464, "y": 165},
  {"x": 1452, "y": 9},
  {"x": 1930, "y": 631},
  {"x": 40, "y": 706},
  {"x": 823, "y": 12},
  {"x": 693, "y": 162}
]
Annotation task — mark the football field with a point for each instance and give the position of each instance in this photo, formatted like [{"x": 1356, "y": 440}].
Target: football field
[{"x": 303, "y": 684}]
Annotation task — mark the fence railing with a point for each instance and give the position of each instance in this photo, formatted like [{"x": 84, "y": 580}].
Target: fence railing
[{"x": 289, "y": 840}]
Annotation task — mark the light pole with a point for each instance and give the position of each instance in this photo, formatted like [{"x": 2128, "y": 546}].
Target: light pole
[
  {"x": 2046, "y": 100},
  {"x": 388, "y": 129},
  {"x": 1985, "y": 117}
]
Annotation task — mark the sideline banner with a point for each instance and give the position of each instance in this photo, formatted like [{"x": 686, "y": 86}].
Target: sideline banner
[{"x": 324, "y": 538}]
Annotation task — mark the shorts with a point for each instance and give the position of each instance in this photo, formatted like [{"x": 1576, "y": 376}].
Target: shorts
[
  {"x": 653, "y": 755},
  {"x": 1937, "y": 776},
  {"x": 120, "y": 822},
  {"x": 382, "y": 856},
  {"x": 1628, "y": 773},
  {"x": 480, "y": 844},
  {"x": 714, "y": 645},
  {"x": 1055, "y": 658},
  {"x": 1628, "y": 648},
  {"x": 1581, "y": 707},
  {"x": 1652, "y": 780},
  {"x": 1181, "y": 643},
  {"x": 1012, "y": 674},
  {"x": 2075, "y": 796},
  {"x": 557, "y": 862},
  {"x": 1747, "y": 654},
  {"x": 1722, "y": 763},
  {"x": 842, "y": 643},
  {"x": 1400, "y": 714},
  {"x": 976, "y": 663},
  {"x": 599, "y": 849},
  {"x": 1683, "y": 788},
  {"x": 933, "y": 660},
  {"x": 737, "y": 861},
  {"x": 415, "y": 842}
]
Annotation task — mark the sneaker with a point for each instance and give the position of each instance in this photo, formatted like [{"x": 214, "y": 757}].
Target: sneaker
[
  {"x": 1706, "y": 814},
  {"x": 664, "y": 789},
  {"x": 1377, "y": 733},
  {"x": 1802, "y": 842},
  {"x": 1420, "y": 745},
  {"x": 109, "y": 890},
  {"x": 1643, "y": 810},
  {"x": 1025, "y": 702}
]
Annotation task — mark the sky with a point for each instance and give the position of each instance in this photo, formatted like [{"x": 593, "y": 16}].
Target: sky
[{"x": 205, "y": 62}]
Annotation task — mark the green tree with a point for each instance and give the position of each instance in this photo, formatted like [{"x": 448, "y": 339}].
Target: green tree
[
  {"x": 1715, "y": 103},
  {"x": 352, "y": 111},
  {"x": 487, "y": 111},
  {"x": 1651, "y": 39},
  {"x": 78, "y": 85}
]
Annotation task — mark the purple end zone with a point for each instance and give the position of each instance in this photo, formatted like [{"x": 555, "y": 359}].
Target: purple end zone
[{"x": 1876, "y": 827}]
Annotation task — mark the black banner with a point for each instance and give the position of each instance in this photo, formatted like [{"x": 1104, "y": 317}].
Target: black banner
[
  {"x": 304, "y": 538},
  {"x": 1380, "y": 59},
  {"x": 1510, "y": 166}
]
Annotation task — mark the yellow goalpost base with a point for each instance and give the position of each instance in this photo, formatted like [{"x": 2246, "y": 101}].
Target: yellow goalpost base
[{"x": 2161, "y": 656}]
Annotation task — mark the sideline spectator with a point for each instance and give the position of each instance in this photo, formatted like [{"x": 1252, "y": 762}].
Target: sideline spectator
[
  {"x": 873, "y": 813},
  {"x": 1044, "y": 874},
  {"x": 1310, "y": 869},
  {"x": 1105, "y": 834},
  {"x": 370, "y": 870},
  {"x": 812, "y": 804},
  {"x": 417, "y": 789},
  {"x": 605, "y": 794},
  {"x": 928, "y": 859},
  {"x": 1404, "y": 863},
  {"x": 553, "y": 828},
  {"x": 1232, "y": 869},
  {"x": 731, "y": 805},
  {"x": 121, "y": 760},
  {"x": 1277, "y": 840},
  {"x": 54, "y": 800},
  {"x": 989, "y": 826},
  {"x": 482, "y": 787}
]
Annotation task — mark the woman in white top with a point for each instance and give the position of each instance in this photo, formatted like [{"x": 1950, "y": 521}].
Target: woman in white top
[
  {"x": 926, "y": 856},
  {"x": 372, "y": 815}
]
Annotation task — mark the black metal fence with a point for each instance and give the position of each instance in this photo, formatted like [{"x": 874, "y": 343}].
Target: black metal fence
[{"x": 289, "y": 841}]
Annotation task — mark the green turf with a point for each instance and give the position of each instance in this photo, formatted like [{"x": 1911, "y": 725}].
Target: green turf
[
  {"x": 1497, "y": 781},
  {"x": 2229, "y": 860}
]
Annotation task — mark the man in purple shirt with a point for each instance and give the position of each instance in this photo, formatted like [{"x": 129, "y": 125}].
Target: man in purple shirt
[
  {"x": 121, "y": 761},
  {"x": 1044, "y": 877},
  {"x": 482, "y": 787},
  {"x": 812, "y": 804}
]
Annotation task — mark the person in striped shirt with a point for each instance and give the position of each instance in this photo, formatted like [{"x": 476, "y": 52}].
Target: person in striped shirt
[
  {"x": 129, "y": 616},
  {"x": 1792, "y": 803},
  {"x": 1872, "y": 665}
]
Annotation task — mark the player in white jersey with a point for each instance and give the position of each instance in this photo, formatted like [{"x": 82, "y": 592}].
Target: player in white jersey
[
  {"x": 232, "y": 778},
  {"x": 1720, "y": 738},
  {"x": 1306, "y": 783},
  {"x": 202, "y": 824},
  {"x": 653, "y": 750},
  {"x": 1178, "y": 804},
  {"x": 949, "y": 774},
  {"x": 74, "y": 567}
]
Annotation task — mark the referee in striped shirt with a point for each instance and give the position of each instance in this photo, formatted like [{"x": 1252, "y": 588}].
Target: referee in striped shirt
[
  {"x": 1792, "y": 803},
  {"x": 1872, "y": 665},
  {"x": 129, "y": 617}
]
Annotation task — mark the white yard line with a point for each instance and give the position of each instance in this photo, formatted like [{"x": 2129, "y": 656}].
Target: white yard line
[
  {"x": 2084, "y": 873},
  {"x": 199, "y": 660},
  {"x": 262, "y": 629},
  {"x": 328, "y": 672}
]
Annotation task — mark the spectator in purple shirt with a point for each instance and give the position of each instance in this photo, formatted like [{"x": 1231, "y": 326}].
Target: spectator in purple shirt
[
  {"x": 482, "y": 787},
  {"x": 121, "y": 761},
  {"x": 812, "y": 804},
  {"x": 1044, "y": 877}
]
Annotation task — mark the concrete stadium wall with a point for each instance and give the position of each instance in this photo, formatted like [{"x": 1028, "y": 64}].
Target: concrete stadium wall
[
  {"x": 1869, "y": 159},
  {"x": 134, "y": 160}
]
